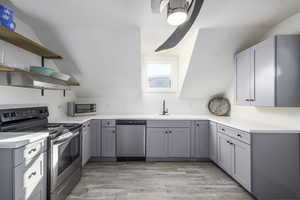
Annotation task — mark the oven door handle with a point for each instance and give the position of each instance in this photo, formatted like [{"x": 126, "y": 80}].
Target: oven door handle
[{"x": 65, "y": 139}]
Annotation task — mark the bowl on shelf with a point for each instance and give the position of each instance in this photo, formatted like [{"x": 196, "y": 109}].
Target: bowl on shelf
[
  {"x": 41, "y": 70},
  {"x": 58, "y": 75}
]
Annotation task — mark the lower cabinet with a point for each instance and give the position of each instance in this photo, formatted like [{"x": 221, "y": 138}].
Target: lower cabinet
[
  {"x": 242, "y": 164},
  {"x": 157, "y": 142},
  {"x": 95, "y": 132},
  {"x": 225, "y": 154},
  {"x": 86, "y": 143},
  {"x": 235, "y": 158},
  {"x": 179, "y": 142},
  {"x": 213, "y": 142},
  {"x": 108, "y": 142},
  {"x": 23, "y": 172},
  {"x": 168, "y": 142},
  {"x": 199, "y": 140},
  {"x": 30, "y": 181}
]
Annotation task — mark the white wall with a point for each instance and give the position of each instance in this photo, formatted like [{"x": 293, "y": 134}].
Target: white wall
[
  {"x": 279, "y": 116},
  {"x": 147, "y": 104},
  {"x": 108, "y": 66},
  {"x": 19, "y": 96}
]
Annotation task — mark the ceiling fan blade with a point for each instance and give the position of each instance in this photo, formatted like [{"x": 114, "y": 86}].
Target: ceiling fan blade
[{"x": 182, "y": 30}]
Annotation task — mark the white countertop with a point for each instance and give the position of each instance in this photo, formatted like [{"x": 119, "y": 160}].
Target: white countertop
[
  {"x": 19, "y": 139},
  {"x": 244, "y": 125},
  {"x": 16, "y": 140}
]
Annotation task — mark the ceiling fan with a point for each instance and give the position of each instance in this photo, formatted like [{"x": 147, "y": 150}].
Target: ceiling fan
[{"x": 180, "y": 13}]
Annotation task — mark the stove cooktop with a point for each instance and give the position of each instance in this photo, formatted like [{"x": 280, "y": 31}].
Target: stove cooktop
[{"x": 57, "y": 129}]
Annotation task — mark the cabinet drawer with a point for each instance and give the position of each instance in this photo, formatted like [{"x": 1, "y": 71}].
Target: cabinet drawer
[
  {"x": 29, "y": 151},
  {"x": 169, "y": 124},
  {"x": 226, "y": 130},
  {"x": 108, "y": 123},
  {"x": 243, "y": 136},
  {"x": 235, "y": 133}
]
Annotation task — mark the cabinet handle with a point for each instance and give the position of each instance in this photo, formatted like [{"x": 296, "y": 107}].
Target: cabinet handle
[
  {"x": 170, "y": 131},
  {"x": 32, "y": 150},
  {"x": 239, "y": 135},
  {"x": 198, "y": 125},
  {"x": 223, "y": 129},
  {"x": 166, "y": 132},
  {"x": 31, "y": 175}
]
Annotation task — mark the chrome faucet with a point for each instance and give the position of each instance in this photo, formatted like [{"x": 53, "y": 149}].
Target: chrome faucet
[{"x": 165, "y": 110}]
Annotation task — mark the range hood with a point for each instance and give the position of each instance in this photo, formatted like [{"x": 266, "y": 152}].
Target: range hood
[{"x": 30, "y": 80}]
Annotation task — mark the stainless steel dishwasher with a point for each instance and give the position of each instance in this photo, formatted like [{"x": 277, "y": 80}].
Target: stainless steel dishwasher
[{"x": 131, "y": 140}]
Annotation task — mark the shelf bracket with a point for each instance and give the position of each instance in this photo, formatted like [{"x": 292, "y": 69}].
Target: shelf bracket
[
  {"x": 64, "y": 93},
  {"x": 43, "y": 65}
]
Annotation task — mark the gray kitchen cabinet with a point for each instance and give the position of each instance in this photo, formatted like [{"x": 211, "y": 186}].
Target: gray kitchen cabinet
[
  {"x": 157, "y": 143},
  {"x": 225, "y": 154},
  {"x": 108, "y": 142},
  {"x": 95, "y": 132},
  {"x": 243, "y": 77},
  {"x": 273, "y": 76},
  {"x": 199, "y": 140},
  {"x": 179, "y": 142},
  {"x": 234, "y": 157},
  {"x": 168, "y": 139},
  {"x": 264, "y": 74},
  {"x": 86, "y": 143},
  {"x": 242, "y": 163},
  {"x": 213, "y": 142},
  {"x": 23, "y": 172}
]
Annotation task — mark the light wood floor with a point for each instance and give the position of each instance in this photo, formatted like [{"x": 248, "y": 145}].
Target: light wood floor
[{"x": 156, "y": 181}]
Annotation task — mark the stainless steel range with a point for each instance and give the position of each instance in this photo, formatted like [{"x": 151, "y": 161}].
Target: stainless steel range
[
  {"x": 64, "y": 159},
  {"x": 64, "y": 146}
]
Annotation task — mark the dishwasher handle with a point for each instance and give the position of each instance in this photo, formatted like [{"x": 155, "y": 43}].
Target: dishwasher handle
[{"x": 131, "y": 122}]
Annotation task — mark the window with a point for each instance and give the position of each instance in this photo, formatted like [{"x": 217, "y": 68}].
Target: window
[{"x": 160, "y": 74}]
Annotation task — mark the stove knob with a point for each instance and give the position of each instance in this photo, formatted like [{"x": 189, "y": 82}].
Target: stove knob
[{"x": 13, "y": 114}]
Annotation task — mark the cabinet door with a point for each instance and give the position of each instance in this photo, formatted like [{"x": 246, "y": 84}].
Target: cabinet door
[
  {"x": 199, "y": 140},
  {"x": 84, "y": 146},
  {"x": 89, "y": 143},
  {"x": 213, "y": 142},
  {"x": 242, "y": 164},
  {"x": 157, "y": 143},
  {"x": 31, "y": 181},
  {"x": 179, "y": 142},
  {"x": 225, "y": 155},
  {"x": 264, "y": 70},
  {"x": 243, "y": 71},
  {"x": 95, "y": 132},
  {"x": 108, "y": 142}
]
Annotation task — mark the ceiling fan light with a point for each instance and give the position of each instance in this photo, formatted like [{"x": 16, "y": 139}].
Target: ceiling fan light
[{"x": 177, "y": 18}]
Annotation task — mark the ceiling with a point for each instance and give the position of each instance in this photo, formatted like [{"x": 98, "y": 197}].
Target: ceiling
[{"x": 72, "y": 27}]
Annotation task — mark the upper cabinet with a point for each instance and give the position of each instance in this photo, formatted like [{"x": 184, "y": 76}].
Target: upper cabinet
[{"x": 268, "y": 74}]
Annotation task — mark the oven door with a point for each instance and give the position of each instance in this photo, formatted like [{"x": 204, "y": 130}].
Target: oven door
[{"x": 65, "y": 157}]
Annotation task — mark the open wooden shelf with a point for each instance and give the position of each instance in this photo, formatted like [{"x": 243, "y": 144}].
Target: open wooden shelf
[
  {"x": 13, "y": 69},
  {"x": 26, "y": 44}
]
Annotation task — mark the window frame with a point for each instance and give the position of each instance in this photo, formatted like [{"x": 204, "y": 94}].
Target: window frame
[{"x": 173, "y": 60}]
